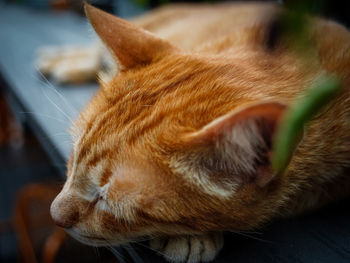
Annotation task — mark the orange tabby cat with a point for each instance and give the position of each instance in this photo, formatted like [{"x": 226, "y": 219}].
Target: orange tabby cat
[{"x": 177, "y": 146}]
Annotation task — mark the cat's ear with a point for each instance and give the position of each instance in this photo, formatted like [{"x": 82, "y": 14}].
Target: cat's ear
[
  {"x": 232, "y": 150},
  {"x": 131, "y": 45}
]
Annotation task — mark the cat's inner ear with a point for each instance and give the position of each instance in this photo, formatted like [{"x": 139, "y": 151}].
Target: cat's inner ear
[
  {"x": 233, "y": 150},
  {"x": 131, "y": 45}
]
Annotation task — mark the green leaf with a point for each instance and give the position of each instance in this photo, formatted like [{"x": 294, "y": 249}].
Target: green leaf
[{"x": 296, "y": 118}]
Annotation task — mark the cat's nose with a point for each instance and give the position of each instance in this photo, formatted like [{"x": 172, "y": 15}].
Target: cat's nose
[{"x": 64, "y": 211}]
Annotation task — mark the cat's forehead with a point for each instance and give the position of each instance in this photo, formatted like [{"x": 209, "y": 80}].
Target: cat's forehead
[{"x": 145, "y": 102}]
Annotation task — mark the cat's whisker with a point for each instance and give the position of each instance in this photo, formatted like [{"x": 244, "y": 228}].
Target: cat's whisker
[
  {"x": 251, "y": 237},
  {"x": 148, "y": 247},
  {"x": 248, "y": 232},
  {"x": 142, "y": 239},
  {"x": 251, "y": 232},
  {"x": 61, "y": 134},
  {"x": 55, "y": 105},
  {"x": 43, "y": 115},
  {"x": 97, "y": 253},
  {"x": 121, "y": 258},
  {"x": 46, "y": 138},
  {"x": 52, "y": 87},
  {"x": 63, "y": 142},
  {"x": 67, "y": 142},
  {"x": 58, "y": 108}
]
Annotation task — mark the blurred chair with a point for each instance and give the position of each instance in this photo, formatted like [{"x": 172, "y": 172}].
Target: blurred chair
[{"x": 33, "y": 226}]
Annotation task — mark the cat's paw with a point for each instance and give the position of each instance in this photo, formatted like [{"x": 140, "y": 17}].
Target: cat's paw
[
  {"x": 189, "y": 249},
  {"x": 69, "y": 64}
]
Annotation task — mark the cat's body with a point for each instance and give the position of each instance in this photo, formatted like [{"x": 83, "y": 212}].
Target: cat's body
[{"x": 178, "y": 143}]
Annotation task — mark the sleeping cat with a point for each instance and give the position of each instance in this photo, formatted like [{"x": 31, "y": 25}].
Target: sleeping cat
[{"x": 176, "y": 147}]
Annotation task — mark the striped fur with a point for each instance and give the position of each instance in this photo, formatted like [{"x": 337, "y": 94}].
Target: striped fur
[{"x": 178, "y": 143}]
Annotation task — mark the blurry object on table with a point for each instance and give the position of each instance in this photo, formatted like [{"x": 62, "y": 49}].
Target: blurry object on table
[
  {"x": 70, "y": 64},
  {"x": 76, "y": 64}
]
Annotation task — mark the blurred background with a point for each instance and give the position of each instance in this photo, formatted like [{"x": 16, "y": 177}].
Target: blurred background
[{"x": 34, "y": 146}]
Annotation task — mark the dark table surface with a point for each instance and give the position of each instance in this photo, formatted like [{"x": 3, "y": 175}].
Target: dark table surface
[
  {"x": 323, "y": 236},
  {"x": 50, "y": 108}
]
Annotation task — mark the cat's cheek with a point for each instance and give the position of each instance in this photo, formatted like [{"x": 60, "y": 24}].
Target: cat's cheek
[
  {"x": 116, "y": 231},
  {"x": 112, "y": 219}
]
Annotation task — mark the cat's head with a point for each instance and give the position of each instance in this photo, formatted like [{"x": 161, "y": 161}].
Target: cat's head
[{"x": 167, "y": 147}]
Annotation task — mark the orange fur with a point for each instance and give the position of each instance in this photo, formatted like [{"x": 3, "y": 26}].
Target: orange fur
[{"x": 159, "y": 150}]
